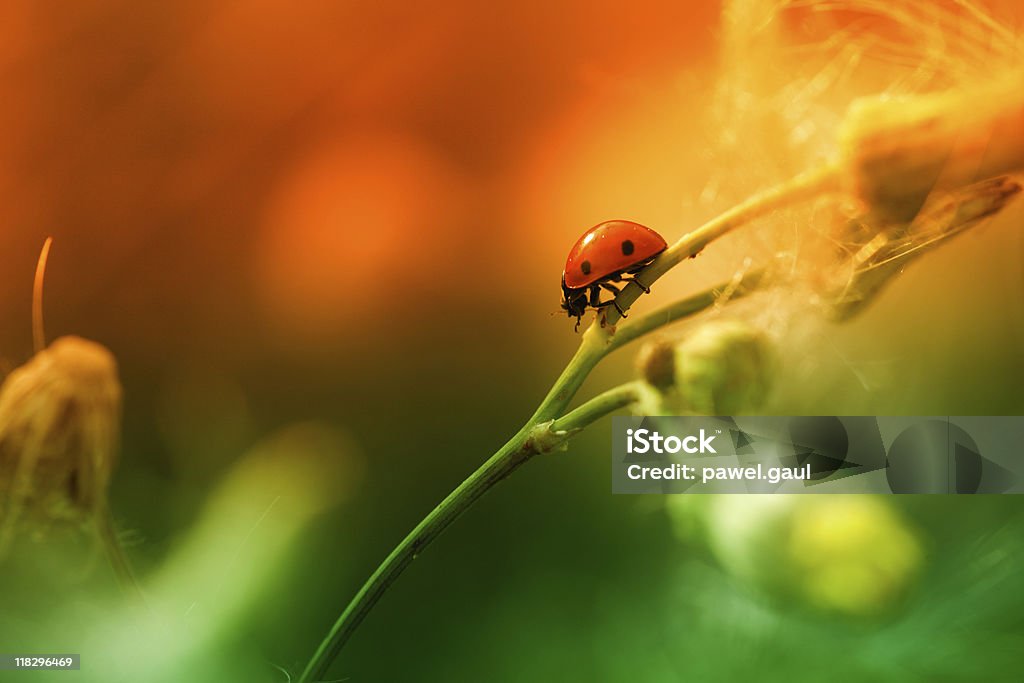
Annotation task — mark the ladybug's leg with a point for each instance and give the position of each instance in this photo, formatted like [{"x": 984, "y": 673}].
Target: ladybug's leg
[
  {"x": 615, "y": 290},
  {"x": 611, "y": 302},
  {"x": 647, "y": 290},
  {"x": 595, "y": 298},
  {"x": 627, "y": 280}
]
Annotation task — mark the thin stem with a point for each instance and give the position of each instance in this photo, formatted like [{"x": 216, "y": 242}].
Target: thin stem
[
  {"x": 500, "y": 465},
  {"x": 804, "y": 186},
  {"x": 38, "y": 334},
  {"x": 597, "y": 343},
  {"x": 593, "y": 347},
  {"x": 879, "y": 260},
  {"x": 539, "y": 434},
  {"x": 683, "y": 308},
  {"x": 603, "y": 404},
  {"x": 510, "y": 457}
]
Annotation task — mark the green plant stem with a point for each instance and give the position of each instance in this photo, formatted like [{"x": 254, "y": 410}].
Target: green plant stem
[
  {"x": 684, "y": 308},
  {"x": 537, "y": 436},
  {"x": 540, "y": 433},
  {"x": 805, "y": 186},
  {"x": 528, "y": 442},
  {"x": 603, "y": 404},
  {"x": 499, "y": 466}
]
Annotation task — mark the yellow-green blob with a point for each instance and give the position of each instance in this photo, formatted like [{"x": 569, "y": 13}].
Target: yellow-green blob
[
  {"x": 723, "y": 368},
  {"x": 845, "y": 554},
  {"x": 857, "y": 555}
]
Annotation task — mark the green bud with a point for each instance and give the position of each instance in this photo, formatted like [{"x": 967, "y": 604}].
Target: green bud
[
  {"x": 656, "y": 363},
  {"x": 723, "y": 368}
]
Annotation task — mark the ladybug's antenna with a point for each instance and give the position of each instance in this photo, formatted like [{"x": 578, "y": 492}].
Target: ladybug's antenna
[{"x": 38, "y": 334}]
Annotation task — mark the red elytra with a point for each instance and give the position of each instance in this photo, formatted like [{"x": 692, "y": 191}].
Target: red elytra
[
  {"x": 606, "y": 254},
  {"x": 610, "y": 248}
]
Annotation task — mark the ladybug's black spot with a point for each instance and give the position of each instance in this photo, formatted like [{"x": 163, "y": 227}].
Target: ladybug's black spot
[
  {"x": 585, "y": 267},
  {"x": 627, "y": 247}
]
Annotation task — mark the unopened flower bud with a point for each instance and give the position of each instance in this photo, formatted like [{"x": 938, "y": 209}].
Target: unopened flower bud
[
  {"x": 656, "y": 363},
  {"x": 896, "y": 152},
  {"x": 60, "y": 417},
  {"x": 723, "y": 368}
]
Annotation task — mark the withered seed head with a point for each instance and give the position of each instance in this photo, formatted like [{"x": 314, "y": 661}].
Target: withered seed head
[{"x": 60, "y": 417}]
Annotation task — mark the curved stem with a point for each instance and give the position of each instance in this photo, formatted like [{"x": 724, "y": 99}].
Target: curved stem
[
  {"x": 38, "y": 334},
  {"x": 552, "y": 435},
  {"x": 597, "y": 343},
  {"x": 539, "y": 434},
  {"x": 799, "y": 188},
  {"x": 500, "y": 465},
  {"x": 593, "y": 347},
  {"x": 594, "y": 409},
  {"x": 509, "y": 457},
  {"x": 517, "y": 451},
  {"x": 683, "y": 309}
]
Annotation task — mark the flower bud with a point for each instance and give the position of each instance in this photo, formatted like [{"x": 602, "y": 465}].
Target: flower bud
[
  {"x": 656, "y": 363},
  {"x": 896, "y": 152},
  {"x": 60, "y": 417},
  {"x": 724, "y": 367}
]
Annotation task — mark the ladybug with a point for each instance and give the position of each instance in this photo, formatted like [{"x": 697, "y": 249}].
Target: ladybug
[{"x": 605, "y": 254}]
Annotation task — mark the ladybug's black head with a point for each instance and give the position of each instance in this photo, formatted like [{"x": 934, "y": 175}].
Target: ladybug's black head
[{"x": 574, "y": 302}]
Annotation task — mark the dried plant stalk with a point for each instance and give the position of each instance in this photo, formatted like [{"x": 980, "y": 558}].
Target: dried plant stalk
[
  {"x": 881, "y": 254},
  {"x": 898, "y": 151},
  {"x": 59, "y": 422}
]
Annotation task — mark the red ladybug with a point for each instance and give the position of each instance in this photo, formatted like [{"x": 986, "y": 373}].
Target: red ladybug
[{"x": 605, "y": 254}]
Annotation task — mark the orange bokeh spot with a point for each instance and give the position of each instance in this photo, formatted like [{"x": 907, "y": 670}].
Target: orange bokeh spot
[{"x": 353, "y": 226}]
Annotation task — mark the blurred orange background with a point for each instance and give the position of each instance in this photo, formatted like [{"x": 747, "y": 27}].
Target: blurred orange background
[
  {"x": 359, "y": 212},
  {"x": 294, "y": 174}
]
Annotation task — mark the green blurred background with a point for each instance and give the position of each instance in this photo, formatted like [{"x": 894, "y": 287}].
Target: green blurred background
[{"x": 356, "y": 214}]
